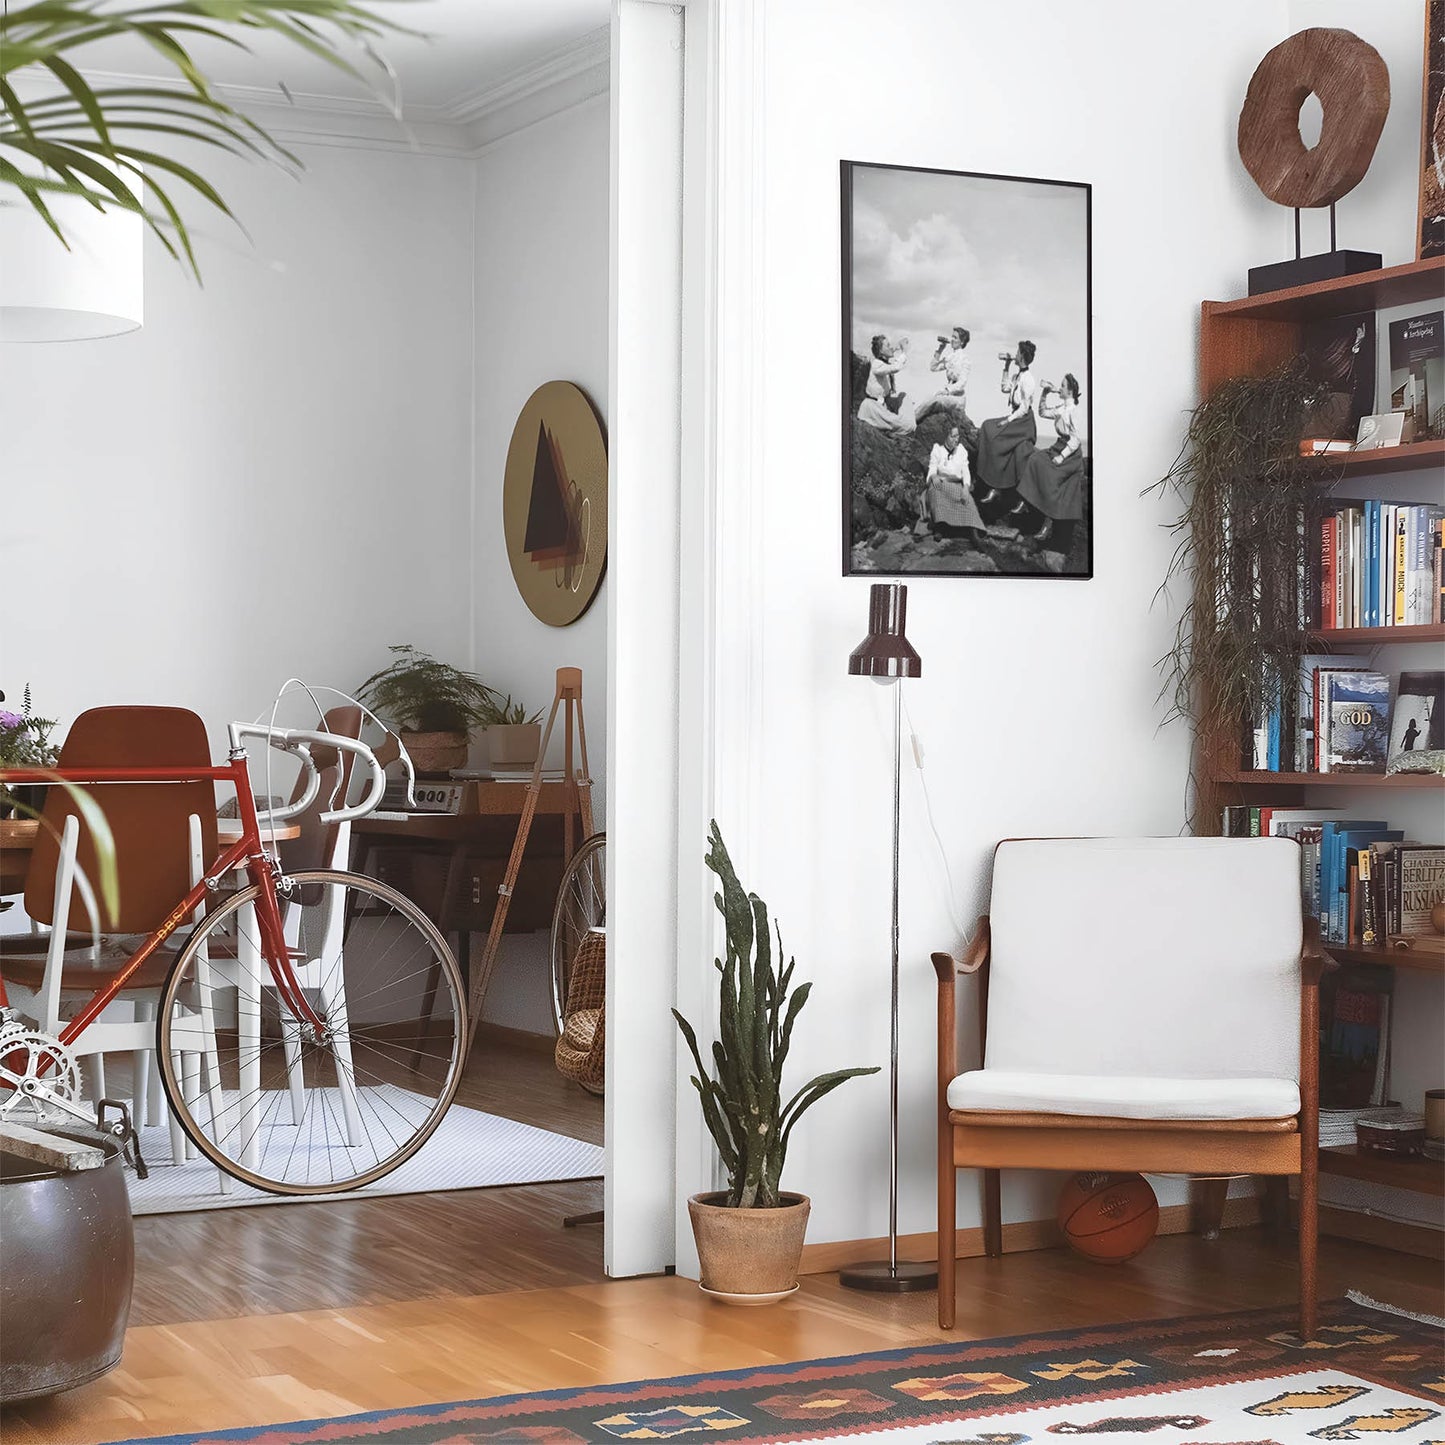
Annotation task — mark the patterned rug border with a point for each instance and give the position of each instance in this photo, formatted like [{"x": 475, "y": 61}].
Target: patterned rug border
[{"x": 962, "y": 1352}]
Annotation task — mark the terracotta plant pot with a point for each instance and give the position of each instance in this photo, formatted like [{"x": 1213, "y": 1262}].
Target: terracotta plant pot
[
  {"x": 513, "y": 745},
  {"x": 749, "y": 1256},
  {"x": 434, "y": 755}
]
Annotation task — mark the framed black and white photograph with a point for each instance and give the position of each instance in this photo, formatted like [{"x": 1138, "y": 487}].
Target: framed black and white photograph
[{"x": 967, "y": 393}]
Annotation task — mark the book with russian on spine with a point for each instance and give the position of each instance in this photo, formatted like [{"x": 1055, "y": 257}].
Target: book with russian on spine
[{"x": 1420, "y": 884}]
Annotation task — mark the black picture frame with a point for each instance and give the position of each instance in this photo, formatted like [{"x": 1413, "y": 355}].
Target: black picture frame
[{"x": 883, "y": 475}]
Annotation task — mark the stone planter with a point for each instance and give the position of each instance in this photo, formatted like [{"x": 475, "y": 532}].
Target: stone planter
[
  {"x": 434, "y": 755},
  {"x": 69, "y": 1263},
  {"x": 513, "y": 745},
  {"x": 748, "y": 1256}
]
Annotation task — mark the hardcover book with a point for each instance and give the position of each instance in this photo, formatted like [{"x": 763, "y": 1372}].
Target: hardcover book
[
  {"x": 1417, "y": 370},
  {"x": 1357, "y": 712},
  {"x": 1340, "y": 352},
  {"x": 1355, "y": 1038},
  {"x": 1418, "y": 719},
  {"x": 1421, "y": 884}
]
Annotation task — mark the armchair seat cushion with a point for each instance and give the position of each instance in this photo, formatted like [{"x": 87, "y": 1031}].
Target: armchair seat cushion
[{"x": 1121, "y": 1097}]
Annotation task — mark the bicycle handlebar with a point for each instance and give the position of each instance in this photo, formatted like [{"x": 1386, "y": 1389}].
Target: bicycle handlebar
[{"x": 300, "y": 741}]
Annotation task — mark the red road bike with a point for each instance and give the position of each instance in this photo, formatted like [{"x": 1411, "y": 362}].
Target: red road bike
[{"x": 311, "y": 1028}]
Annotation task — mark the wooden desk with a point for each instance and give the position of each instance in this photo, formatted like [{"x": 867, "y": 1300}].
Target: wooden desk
[{"x": 451, "y": 864}]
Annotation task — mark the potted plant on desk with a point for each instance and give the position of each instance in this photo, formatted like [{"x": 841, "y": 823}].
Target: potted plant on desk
[
  {"x": 434, "y": 704},
  {"x": 513, "y": 738},
  {"x": 750, "y": 1236}
]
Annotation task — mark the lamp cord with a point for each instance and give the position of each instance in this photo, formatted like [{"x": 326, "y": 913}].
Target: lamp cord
[{"x": 916, "y": 748}]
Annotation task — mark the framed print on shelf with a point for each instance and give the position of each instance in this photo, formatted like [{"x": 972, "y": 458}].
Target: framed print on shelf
[{"x": 967, "y": 374}]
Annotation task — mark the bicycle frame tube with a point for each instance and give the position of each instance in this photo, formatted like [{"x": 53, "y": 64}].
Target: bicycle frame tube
[{"x": 247, "y": 849}]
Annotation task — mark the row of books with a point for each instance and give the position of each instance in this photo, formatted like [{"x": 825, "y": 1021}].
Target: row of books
[
  {"x": 1347, "y": 718},
  {"x": 1362, "y": 879},
  {"x": 1379, "y": 565}
]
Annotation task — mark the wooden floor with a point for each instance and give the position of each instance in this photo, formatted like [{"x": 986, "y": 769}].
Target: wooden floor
[
  {"x": 266, "y": 1369},
  {"x": 225, "y": 1263}
]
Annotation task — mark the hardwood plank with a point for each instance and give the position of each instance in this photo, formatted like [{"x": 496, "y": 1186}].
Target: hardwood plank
[{"x": 239, "y": 1372}]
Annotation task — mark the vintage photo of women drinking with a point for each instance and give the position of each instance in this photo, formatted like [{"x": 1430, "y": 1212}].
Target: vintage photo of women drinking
[{"x": 967, "y": 445}]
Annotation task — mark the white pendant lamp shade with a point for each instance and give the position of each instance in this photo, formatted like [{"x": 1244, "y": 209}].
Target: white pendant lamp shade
[{"x": 48, "y": 293}]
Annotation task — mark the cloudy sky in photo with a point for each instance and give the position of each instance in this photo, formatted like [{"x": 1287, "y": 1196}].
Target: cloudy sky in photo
[{"x": 1007, "y": 259}]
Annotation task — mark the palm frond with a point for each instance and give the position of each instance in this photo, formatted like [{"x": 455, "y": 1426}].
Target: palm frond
[{"x": 94, "y": 143}]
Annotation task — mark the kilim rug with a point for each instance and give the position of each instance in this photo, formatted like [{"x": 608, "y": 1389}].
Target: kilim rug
[{"x": 1237, "y": 1379}]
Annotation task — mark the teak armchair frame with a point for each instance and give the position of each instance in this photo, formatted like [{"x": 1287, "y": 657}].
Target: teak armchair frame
[{"x": 995, "y": 1140}]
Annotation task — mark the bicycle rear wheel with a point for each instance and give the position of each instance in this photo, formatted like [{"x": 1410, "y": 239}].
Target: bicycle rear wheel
[
  {"x": 581, "y": 905},
  {"x": 276, "y": 1103}
]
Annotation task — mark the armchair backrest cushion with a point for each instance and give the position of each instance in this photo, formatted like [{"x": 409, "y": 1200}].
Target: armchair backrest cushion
[{"x": 1163, "y": 957}]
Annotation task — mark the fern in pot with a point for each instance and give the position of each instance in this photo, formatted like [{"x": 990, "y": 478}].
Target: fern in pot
[
  {"x": 750, "y": 1236},
  {"x": 434, "y": 704}
]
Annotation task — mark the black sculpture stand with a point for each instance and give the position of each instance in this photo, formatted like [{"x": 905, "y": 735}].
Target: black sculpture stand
[{"x": 1307, "y": 270}]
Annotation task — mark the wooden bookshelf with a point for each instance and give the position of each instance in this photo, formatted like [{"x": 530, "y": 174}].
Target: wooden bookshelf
[
  {"x": 1422, "y": 961},
  {"x": 1416, "y": 281},
  {"x": 1408, "y": 1171},
  {"x": 1252, "y": 337},
  {"x": 1247, "y": 779},
  {"x": 1378, "y": 636},
  {"x": 1380, "y": 461}
]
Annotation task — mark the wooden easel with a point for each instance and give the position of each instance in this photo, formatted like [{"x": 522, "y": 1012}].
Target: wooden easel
[{"x": 578, "y": 784}]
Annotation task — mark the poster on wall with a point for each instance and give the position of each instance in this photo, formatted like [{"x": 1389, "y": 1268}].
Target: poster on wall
[
  {"x": 967, "y": 387},
  {"x": 1432, "y": 140}
]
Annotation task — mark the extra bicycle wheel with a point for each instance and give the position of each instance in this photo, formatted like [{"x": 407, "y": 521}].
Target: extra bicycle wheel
[
  {"x": 287, "y": 1108},
  {"x": 581, "y": 904}
]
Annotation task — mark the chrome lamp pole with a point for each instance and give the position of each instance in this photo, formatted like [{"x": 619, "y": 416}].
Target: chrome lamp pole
[{"x": 887, "y": 657}]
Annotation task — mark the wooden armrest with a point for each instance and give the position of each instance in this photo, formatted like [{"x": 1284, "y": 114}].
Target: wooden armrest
[
  {"x": 974, "y": 958},
  {"x": 1313, "y": 961}
]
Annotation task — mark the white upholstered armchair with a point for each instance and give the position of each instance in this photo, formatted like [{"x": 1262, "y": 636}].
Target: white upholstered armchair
[{"x": 1145, "y": 1004}]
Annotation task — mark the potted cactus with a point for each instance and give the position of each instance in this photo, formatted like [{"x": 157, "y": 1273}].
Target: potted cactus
[{"x": 750, "y": 1236}]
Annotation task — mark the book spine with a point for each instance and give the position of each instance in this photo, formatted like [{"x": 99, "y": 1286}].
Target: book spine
[
  {"x": 1322, "y": 722},
  {"x": 1327, "y": 574},
  {"x": 1369, "y": 933},
  {"x": 1387, "y": 564},
  {"x": 1372, "y": 563},
  {"x": 1341, "y": 534},
  {"x": 1437, "y": 604},
  {"x": 1398, "y": 604}
]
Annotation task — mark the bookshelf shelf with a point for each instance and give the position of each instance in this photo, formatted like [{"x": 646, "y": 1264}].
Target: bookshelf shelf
[
  {"x": 1245, "y": 779},
  {"x": 1417, "y": 281},
  {"x": 1414, "y": 1172},
  {"x": 1420, "y": 962},
  {"x": 1377, "y": 636},
  {"x": 1408, "y": 457}
]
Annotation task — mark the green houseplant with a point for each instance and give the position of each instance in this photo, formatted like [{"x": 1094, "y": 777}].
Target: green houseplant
[
  {"x": 434, "y": 704},
  {"x": 68, "y": 137},
  {"x": 514, "y": 737},
  {"x": 750, "y": 1236}
]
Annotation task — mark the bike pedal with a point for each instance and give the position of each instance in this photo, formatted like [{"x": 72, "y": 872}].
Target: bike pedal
[{"x": 125, "y": 1131}]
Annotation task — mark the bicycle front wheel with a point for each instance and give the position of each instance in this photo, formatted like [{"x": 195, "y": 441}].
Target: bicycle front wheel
[{"x": 280, "y": 1104}]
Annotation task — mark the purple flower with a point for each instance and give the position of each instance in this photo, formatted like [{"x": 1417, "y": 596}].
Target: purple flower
[{"x": 11, "y": 719}]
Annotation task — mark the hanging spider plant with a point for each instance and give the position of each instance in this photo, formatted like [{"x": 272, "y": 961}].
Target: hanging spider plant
[{"x": 95, "y": 142}]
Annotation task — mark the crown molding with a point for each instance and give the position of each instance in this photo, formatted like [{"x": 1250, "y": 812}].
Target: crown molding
[
  {"x": 566, "y": 78},
  {"x": 581, "y": 60}
]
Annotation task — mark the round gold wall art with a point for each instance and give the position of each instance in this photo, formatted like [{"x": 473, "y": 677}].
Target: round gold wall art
[{"x": 554, "y": 503}]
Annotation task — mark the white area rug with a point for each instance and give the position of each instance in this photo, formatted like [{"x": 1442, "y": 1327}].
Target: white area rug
[{"x": 470, "y": 1150}]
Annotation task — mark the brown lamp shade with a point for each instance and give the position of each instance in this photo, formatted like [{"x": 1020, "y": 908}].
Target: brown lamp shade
[{"x": 886, "y": 652}]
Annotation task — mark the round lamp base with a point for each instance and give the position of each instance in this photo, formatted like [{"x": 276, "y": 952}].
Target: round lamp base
[{"x": 882, "y": 1278}]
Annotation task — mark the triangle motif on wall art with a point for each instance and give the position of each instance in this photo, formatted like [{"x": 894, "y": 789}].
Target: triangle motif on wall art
[{"x": 552, "y": 539}]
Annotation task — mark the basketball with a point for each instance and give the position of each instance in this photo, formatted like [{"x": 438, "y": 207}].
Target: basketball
[{"x": 1108, "y": 1217}]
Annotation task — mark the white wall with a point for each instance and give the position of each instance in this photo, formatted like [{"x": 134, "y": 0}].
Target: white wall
[
  {"x": 302, "y": 421},
  {"x": 1037, "y": 707},
  {"x": 542, "y": 243}
]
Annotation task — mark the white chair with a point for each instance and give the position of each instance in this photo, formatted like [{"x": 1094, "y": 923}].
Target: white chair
[{"x": 1144, "y": 1004}]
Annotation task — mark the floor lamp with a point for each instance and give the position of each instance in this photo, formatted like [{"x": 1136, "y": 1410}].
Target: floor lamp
[{"x": 886, "y": 656}]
